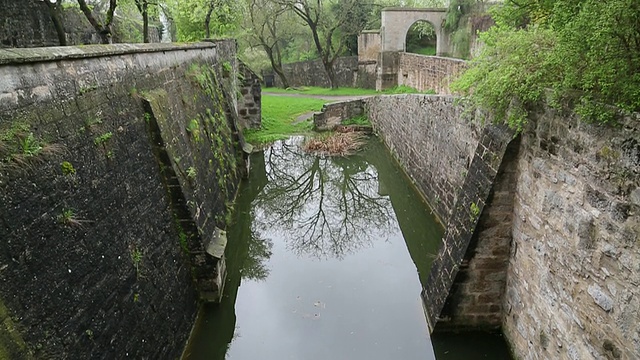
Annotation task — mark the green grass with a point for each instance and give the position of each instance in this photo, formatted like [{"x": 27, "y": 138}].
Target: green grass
[
  {"x": 357, "y": 120},
  {"x": 278, "y": 115},
  {"x": 428, "y": 50}
]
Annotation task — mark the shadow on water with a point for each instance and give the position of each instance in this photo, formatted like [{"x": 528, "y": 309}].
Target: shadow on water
[{"x": 317, "y": 264}]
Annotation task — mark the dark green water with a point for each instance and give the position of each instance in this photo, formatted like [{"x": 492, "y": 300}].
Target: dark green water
[{"x": 325, "y": 261}]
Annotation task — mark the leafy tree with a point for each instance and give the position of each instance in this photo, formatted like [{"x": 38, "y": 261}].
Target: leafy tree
[
  {"x": 143, "y": 8},
  {"x": 198, "y": 19},
  {"x": 103, "y": 30},
  {"x": 581, "y": 54}
]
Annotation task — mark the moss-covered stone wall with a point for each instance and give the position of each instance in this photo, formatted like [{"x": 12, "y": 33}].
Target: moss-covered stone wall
[{"x": 107, "y": 203}]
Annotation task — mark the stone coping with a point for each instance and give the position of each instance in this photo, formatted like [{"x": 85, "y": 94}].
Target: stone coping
[
  {"x": 43, "y": 54},
  {"x": 404, "y": 53},
  {"x": 404, "y": 9}
]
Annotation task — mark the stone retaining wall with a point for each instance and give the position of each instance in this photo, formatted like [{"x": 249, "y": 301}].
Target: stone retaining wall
[
  {"x": 312, "y": 73},
  {"x": 428, "y": 72},
  {"x": 116, "y": 163},
  {"x": 572, "y": 290},
  {"x": 557, "y": 230},
  {"x": 430, "y": 139}
]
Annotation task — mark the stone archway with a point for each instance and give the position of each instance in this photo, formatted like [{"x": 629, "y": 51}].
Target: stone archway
[{"x": 397, "y": 21}]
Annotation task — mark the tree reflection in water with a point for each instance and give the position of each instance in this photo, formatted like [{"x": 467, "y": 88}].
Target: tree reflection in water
[
  {"x": 322, "y": 206},
  {"x": 259, "y": 251}
]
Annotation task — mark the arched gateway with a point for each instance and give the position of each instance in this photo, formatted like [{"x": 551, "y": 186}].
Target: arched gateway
[{"x": 397, "y": 21}]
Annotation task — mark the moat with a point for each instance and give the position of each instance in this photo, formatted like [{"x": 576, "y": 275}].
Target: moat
[{"x": 326, "y": 262}]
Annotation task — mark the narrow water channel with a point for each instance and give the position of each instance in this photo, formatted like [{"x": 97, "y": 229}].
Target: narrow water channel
[{"x": 325, "y": 261}]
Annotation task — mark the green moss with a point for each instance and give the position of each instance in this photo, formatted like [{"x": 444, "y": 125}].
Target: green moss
[
  {"x": 12, "y": 345},
  {"x": 194, "y": 129},
  {"x": 67, "y": 168}
]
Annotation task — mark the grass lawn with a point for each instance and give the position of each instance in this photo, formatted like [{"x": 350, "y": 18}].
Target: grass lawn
[
  {"x": 278, "y": 115},
  {"x": 429, "y": 50}
]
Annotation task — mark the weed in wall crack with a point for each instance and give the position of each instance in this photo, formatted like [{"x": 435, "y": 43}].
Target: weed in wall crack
[
  {"x": 69, "y": 218},
  {"x": 474, "y": 210},
  {"x": 191, "y": 173},
  {"x": 136, "y": 260},
  {"x": 100, "y": 140}
]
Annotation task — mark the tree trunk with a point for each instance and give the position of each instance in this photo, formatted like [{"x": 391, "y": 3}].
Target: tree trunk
[
  {"x": 283, "y": 78},
  {"x": 276, "y": 64},
  {"x": 207, "y": 21},
  {"x": 103, "y": 31},
  {"x": 331, "y": 74},
  {"x": 145, "y": 21},
  {"x": 54, "y": 12}
]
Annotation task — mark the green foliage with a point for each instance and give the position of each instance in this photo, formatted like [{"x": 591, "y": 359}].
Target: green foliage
[
  {"x": 191, "y": 173},
  {"x": 29, "y": 145},
  {"x": 511, "y": 74},
  {"x": 421, "y": 39},
  {"x": 182, "y": 238},
  {"x": 67, "y": 168},
  {"x": 189, "y": 17},
  {"x": 474, "y": 211},
  {"x": 457, "y": 8},
  {"x": 100, "y": 140},
  {"x": 69, "y": 218},
  {"x": 21, "y": 148},
  {"x": 580, "y": 54},
  {"x": 461, "y": 41},
  {"x": 226, "y": 67}
]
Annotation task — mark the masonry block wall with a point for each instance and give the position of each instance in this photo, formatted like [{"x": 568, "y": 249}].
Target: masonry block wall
[
  {"x": 461, "y": 226},
  {"x": 333, "y": 114},
  {"x": 476, "y": 297},
  {"x": 572, "y": 290},
  {"x": 96, "y": 209},
  {"x": 428, "y": 72},
  {"x": 431, "y": 140},
  {"x": 312, "y": 73},
  {"x": 28, "y": 24},
  {"x": 250, "y": 102},
  {"x": 454, "y": 163}
]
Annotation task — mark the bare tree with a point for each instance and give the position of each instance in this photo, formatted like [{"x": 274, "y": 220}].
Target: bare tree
[
  {"x": 327, "y": 20},
  {"x": 267, "y": 30},
  {"x": 329, "y": 207},
  {"x": 102, "y": 29}
]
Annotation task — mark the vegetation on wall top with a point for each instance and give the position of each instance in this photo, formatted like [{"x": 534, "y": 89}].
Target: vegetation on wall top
[{"x": 579, "y": 54}]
